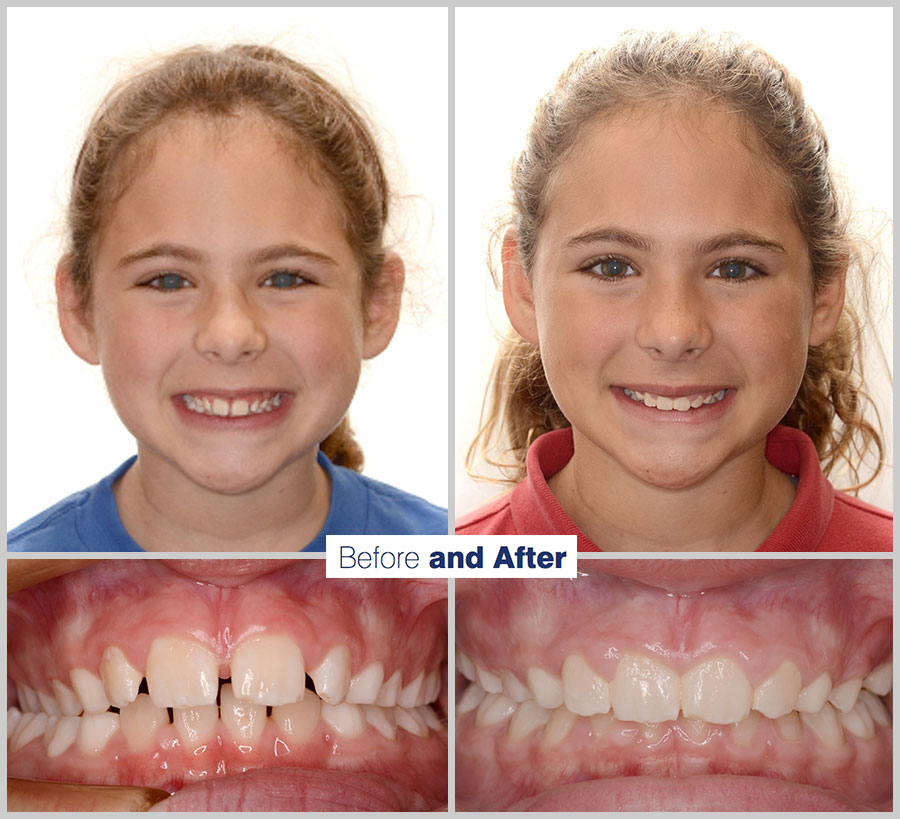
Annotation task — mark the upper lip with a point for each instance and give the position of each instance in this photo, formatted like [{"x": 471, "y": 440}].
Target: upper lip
[{"x": 675, "y": 392}]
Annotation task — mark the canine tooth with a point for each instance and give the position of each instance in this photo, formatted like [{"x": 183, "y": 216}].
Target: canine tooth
[
  {"x": 716, "y": 690},
  {"x": 811, "y": 699},
  {"x": 268, "y": 669},
  {"x": 387, "y": 697},
  {"x": 95, "y": 731},
  {"x": 348, "y": 720},
  {"x": 465, "y": 666},
  {"x": 28, "y": 698},
  {"x": 239, "y": 407},
  {"x": 789, "y": 726},
  {"x": 220, "y": 407},
  {"x": 681, "y": 404},
  {"x": 332, "y": 676},
  {"x": 364, "y": 687},
  {"x": 410, "y": 721},
  {"x": 494, "y": 708},
  {"x": 649, "y": 400},
  {"x": 30, "y": 727},
  {"x": 207, "y": 405},
  {"x": 431, "y": 690},
  {"x": 13, "y": 718},
  {"x": 512, "y": 688},
  {"x": 742, "y": 732},
  {"x": 489, "y": 681},
  {"x": 382, "y": 720},
  {"x": 298, "y": 720},
  {"x": 558, "y": 726},
  {"x": 547, "y": 688},
  {"x": 471, "y": 699},
  {"x": 600, "y": 724},
  {"x": 48, "y": 704},
  {"x": 89, "y": 689},
  {"x": 528, "y": 718},
  {"x": 121, "y": 679},
  {"x": 181, "y": 673},
  {"x": 697, "y": 402},
  {"x": 254, "y": 407},
  {"x": 826, "y": 726},
  {"x": 843, "y": 696},
  {"x": 61, "y": 737},
  {"x": 409, "y": 694},
  {"x": 586, "y": 693},
  {"x": 139, "y": 721},
  {"x": 426, "y": 712},
  {"x": 643, "y": 690},
  {"x": 245, "y": 721},
  {"x": 664, "y": 403},
  {"x": 881, "y": 680},
  {"x": 65, "y": 696},
  {"x": 858, "y": 721},
  {"x": 196, "y": 725},
  {"x": 877, "y": 708},
  {"x": 777, "y": 694}
]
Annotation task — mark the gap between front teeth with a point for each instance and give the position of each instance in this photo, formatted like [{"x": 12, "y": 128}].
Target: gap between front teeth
[
  {"x": 682, "y": 403},
  {"x": 236, "y": 408}
]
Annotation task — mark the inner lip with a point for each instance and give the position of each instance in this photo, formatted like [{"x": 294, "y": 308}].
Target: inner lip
[
  {"x": 816, "y": 614},
  {"x": 69, "y": 623}
]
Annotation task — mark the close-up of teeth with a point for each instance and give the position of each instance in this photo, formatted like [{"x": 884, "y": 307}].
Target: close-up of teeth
[
  {"x": 234, "y": 408},
  {"x": 681, "y": 403}
]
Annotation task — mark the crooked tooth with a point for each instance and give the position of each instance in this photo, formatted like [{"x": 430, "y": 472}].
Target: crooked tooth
[
  {"x": 547, "y": 688},
  {"x": 513, "y": 688},
  {"x": 121, "y": 680},
  {"x": 494, "y": 708},
  {"x": 348, "y": 720},
  {"x": 382, "y": 720},
  {"x": 196, "y": 726},
  {"x": 48, "y": 704},
  {"x": 332, "y": 675},
  {"x": 858, "y": 721},
  {"x": 426, "y": 712},
  {"x": 716, "y": 691},
  {"x": 244, "y": 721},
  {"x": 89, "y": 689},
  {"x": 777, "y": 694},
  {"x": 366, "y": 685},
  {"x": 789, "y": 726},
  {"x": 61, "y": 736},
  {"x": 843, "y": 696},
  {"x": 664, "y": 403},
  {"x": 811, "y": 699},
  {"x": 528, "y": 718},
  {"x": 643, "y": 690},
  {"x": 881, "y": 680},
  {"x": 471, "y": 699},
  {"x": 30, "y": 727},
  {"x": 558, "y": 726},
  {"x": 94, "y": 731},
  {"x": 681, "y": 404},
  {"x": 299, "y": 719},
  {"x": 410, "y": 721},
  {"x": 465, "y": 666},
  {"x": 139, "y": 722},
  {"x": 697, "y": 402},
  {"x": 268, "y": 669},
  {"x": 239, "y": 407},
  {"x": 489, "y": 681},
  {"x": 877, "y": 708},
  {"x": 181, "y": 673},
  {"x": 586, "y": 693},
  {"x": 387, "y": 697},
  {"x": 742, "y": 732},
  {"x": 409, "y": 694},
  {"x": 65, "y": 696},
  {"x": 220, "y": 407},
  {"x": 28, "y": 698},
  {"x": 826, "y": 726}
]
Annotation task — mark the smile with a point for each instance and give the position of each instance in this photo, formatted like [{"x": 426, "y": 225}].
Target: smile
[
  {"x": 288, "y": 673},
  {"x": 622, "y": 695},
  {"x": 682, "y": 403},
  {"x": 232, "y": 408}
]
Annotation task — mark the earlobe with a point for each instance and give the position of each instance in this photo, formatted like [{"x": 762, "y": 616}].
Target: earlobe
[
  {"x": 518, "y": 296},
  {"x": 73, "y": 321},
  {"x": 383, "y": 306},
  {"x": 827, "y": 309}
]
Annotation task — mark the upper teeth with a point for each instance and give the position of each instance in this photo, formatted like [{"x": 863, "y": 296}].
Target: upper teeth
[
  {"x": 682, "y": 403},
  {"x": 236, "y": 408}
]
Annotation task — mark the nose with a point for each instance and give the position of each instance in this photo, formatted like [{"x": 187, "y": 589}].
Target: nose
[
  {"x": 230, "y": 329},
  {"x": 673, "y": 323}
]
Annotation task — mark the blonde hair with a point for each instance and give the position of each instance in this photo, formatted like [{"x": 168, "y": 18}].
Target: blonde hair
[{"x": 649, "y": 69}]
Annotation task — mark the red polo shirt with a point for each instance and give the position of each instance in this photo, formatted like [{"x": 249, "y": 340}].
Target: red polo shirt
[{"x": 819, "y": 520}]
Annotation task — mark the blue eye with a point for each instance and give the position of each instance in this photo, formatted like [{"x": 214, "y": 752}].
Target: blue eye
[
  {"x": 168, "y": 281},
  {"x": 284, "y": 279},
  {"x": 610, "y": 269},
  {"x": 736, "y": 270}
]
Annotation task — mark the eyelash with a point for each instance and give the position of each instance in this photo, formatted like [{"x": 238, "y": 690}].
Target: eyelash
[
  {"x": 298, "y": 280},
  {"x": 589, "y": 268}
]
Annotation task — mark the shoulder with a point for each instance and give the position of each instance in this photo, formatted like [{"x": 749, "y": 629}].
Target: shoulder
[
  {"x": 857, "y": 526},
  {"x": 494, "y": 518}
]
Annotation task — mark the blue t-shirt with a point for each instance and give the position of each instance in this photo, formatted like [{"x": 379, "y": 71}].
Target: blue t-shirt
[{"x": 89, "y": 521}]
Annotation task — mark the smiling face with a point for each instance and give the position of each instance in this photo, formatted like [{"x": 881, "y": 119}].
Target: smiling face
[
  {"x": 227, "y": 308},
  {"x": 671, "y": 295}
]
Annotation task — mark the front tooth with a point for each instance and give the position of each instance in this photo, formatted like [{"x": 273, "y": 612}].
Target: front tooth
[
  {"x": 811, "y": 699},
  {"x": 494, "y": 708},
  {"x": 876, "y": 708},
  {"x": 65, "y": 696},
  {"x": 239, "y": 407},
  {"x": 513, "y": 688},
  {"x": 382, "y": 720},
  {"x": 181, "y": 673},
  {"x": 409, "y": 694},
  {"x": 881, "y": 680},
  {"x": 465, "y": 666},
  {"x": 547, "y": 688},
  {"x": 777, "y": 694},
  {"x": 843, "y": 696},
  {"x": 649, "y": 400},
  {"x": 28, "y": 698},
  {"x": 139, "y": 721},
  {"x": 387, "y": 697},
  {"x": 220, "y": 407},
  {"x": 268, "y": 669},
  {"x": 245, "y": 721},
  {"x": 470, "y": 699},
  {"x": 299, "y": 719},
  {"x": 48, "y": 704},
  {"x": 348, "y": 720},
  {"x": 587, "y": 693},
  {"x": 95, "y": 731},
  {"x": 643, "y": 690},
  {"x": 558, "y": 726},
  {"x": 489, "y": 681},
  {"x": 826, "y": 726},
  {"x": 528, "y": 718},
  {"x": 681, "y": 404},
  {"x": 664, "y": 403},
  {"x": 858, "y": 721},
  {"x": 30, "y": 727},
  {"x": 62, "y": 736},
  {"x": 121, "y": 680},
  {"x": 410, "y": 721},
  {"x": 431, "y": 690},
  {"x": 332, "y": 676},
  {"x": 716, "y": 691},
  {"x": 742, "y": 732},
  {"x": 89, "y": 690},
  {"x": 196, "y": 726},
  {"x": 789, "y": 726},
  {"x": 364, "y": 687}
]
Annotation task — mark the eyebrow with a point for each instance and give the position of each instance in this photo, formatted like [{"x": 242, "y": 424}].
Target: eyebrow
[
  {"x": 738, "y": 238},
  {"x": 266, "y": 254}
]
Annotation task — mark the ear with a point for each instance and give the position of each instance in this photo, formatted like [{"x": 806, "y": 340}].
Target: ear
[
  {"x": 383, "y": 306},
  {"x": 827, "y": 308},
  {"x": 74, "y": 323},
  {"x": 518, "y": 296}
]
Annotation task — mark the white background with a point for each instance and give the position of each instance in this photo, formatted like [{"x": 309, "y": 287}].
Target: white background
[
  {"x": 507, "y": 58},
  {"x": 62, "y": 432}
]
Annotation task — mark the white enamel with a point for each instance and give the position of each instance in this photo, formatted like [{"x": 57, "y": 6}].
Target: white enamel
[
  {"x": 600, "y": 724},
  {"x": 89, "y": 689},
  {"x": 432, "y": 688},
  {"x": 789, "y": 726},
  {"x": 811, "y": 699},
  {"x": 410, "y": 693},
  {"x": 470, "y": 699},
  {"x": 268, "y": 669},
  {"x": 717, "y": 691},
  {"x": 826, "y": 726},
  {"x": 121, "y": 679},
  {"x": 558, "y": 726},
  {"x": 28, "y": 699},
  {"x": 94, "y": 731},
  {"x": 881, "y": 680},
  {"x": 382, "y": 720},
  {"x": 181, "y": 673},
  {"x": 30, "y": 727},
  {"x": 348, "y": 720},
  {"x": 332, "y": 675},
  {"x": 426, "y": 712},
  {"x": 48, "y": 704},
  {"x": 410, "y": 721},
  {"x": 65, "y": 696},
  {"x": 742, "y": 732},
  {"x": 643, "y": 690},
  {"x": 299, "y": 719},
  {"x": 13, "y": 718},
  {"x": 527, "y": 719},
  {"x": 877, "y": 709},
  {"x": 586, "y": 692},
  {"x": 465, "y": 666},
  {"x": 365, "y": 686},
  {"x": 387, "y": 697},
  {"x": 139, "y": 722},
  {"x": 546, "y": 688},
  {"x": 196, "y": 726},
  {"x": 244, "y": 721},
  {"x": 858, "y": 721},
  {"x": 843, "y": 696},
  {"x": 494, "y": 708},
  {"x": 488, "y": 680},
  {"x": 62, "y": 736},
  {"x": 513, "y": 688},
  {"x": 777, "y": 694}
]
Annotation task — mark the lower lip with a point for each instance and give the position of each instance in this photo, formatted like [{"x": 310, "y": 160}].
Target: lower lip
[
  {"x": 699, "y": 415},
  {"x": 249, "y": 423}
]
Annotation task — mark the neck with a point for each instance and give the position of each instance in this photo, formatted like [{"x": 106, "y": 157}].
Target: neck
[
  {"x": 734, "y": 509},
  {"x": 165, "y": 510}
]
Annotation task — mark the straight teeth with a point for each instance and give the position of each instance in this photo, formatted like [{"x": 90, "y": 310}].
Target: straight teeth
[
  {"x": 682, "y": 403},
  {"x": 236, "y": 408}
]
